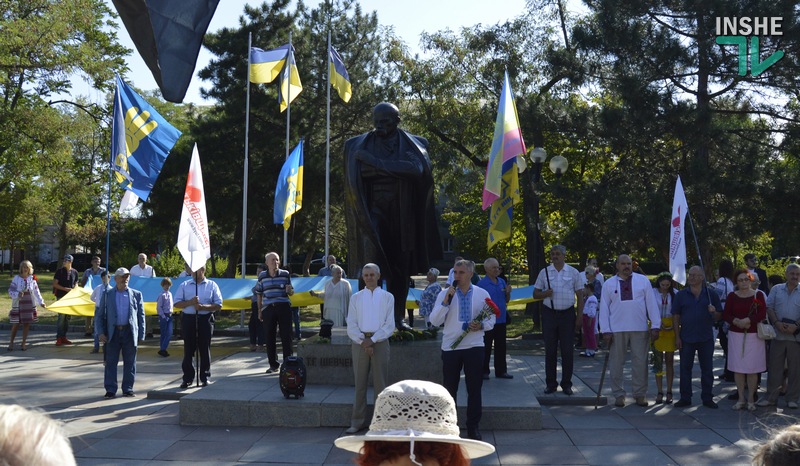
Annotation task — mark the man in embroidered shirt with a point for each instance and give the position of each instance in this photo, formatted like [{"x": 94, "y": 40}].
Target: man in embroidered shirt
[
  {"x": 559, "y": 285},
  {"x": 370, "y": 323},
  {"x": 626, "y": 304},
  {"x": 273, "y": 288},
  {"x": 199, "y": 298},
  {"x": 456, "y": 308}
]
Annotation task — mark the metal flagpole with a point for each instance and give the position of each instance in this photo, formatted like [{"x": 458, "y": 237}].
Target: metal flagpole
[
  {"x": 288, "y": 121},
  {"x": 108, "y": 216},
  {"x": 697, "y": 248},
  {"x": 328, "y": 155},
  {"x": 246, "y": 162}
]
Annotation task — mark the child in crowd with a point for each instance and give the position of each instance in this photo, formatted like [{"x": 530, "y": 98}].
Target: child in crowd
[
  {"x": 164, "y": 307},
  {"x": 589, "y": 321}
]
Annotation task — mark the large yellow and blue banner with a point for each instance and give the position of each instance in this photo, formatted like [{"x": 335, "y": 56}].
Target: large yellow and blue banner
[
  {"x": 289, "y": 190},
  {"x": 501, "y": 186},
  {"x": 140, "y": 141},
  {"x": 338, "y": 76}
]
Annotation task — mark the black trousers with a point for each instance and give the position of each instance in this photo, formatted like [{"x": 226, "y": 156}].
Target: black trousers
[
  {"x": 558, "y": 330},
  {"x": 255, "y": 327},
  {"x": 278, "y": 314},
  {"x": 471, "y": 361},
  {"x": 196, "y": 336},
  {"x": 496, "y": 336}
]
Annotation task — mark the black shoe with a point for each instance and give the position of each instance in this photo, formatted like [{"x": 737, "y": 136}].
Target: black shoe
[
  {"x": 109, "y": 395},
  {"x": 486, "y": 376},
  {"x": 149, "y": 335},
  {"x": 129, "y": 394},
  {"x": 204, "y": 383},
  {"x": 504, "y": 376},
  {"x": 567, "y": 391},
  {"x": 273, "y": 369},
  {"x": 474, "y": 434},
  {"x": 549, "y": 390},
  {"x": 683, "y": 403},
  {"x": 710, "y": 404},
  {"x": 88, "y": 334},
  {"x": 163, "y": 353},
  {"x": 185, "y": 384}
]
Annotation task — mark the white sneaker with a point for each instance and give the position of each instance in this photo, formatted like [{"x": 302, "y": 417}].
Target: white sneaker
[{"x": 792, "y": 404}]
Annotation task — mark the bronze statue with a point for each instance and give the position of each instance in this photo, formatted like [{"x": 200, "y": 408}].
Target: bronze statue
[{"x": 389, "y": 204}]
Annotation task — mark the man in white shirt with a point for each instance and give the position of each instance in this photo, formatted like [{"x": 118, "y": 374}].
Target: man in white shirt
[
  {"x": 142, "y": 269},
  {"x": 370, "y": 323},
  {"x": 626, "y": 304},
  {"x": 560, "y": 286},
  {"x": 457, "y": 307}
]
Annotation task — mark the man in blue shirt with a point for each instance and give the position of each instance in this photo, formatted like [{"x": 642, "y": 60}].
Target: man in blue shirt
[
  {"x": 119, "y": 323},
  {"x": 199, "y": 298},
  {"x": 500, "y": 292},
  {"x": 693, "y": 319}
]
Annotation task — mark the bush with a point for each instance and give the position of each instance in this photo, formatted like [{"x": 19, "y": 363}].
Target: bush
[{"x": 169, "y": 263}]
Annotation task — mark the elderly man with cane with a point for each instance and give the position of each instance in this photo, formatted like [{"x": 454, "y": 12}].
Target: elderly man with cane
[{"x": 199, "y": 298}]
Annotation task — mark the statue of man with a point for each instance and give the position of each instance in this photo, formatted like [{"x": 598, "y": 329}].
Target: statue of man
[{"x": 389, "y": 203}]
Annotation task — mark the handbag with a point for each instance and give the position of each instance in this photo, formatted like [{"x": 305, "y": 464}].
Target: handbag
[{"x": 766, "y": 331}]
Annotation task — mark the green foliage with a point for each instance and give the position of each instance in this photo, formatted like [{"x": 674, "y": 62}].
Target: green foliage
[{"x": 169, "y": 263}]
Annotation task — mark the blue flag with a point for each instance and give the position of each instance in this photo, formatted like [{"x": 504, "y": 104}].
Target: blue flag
[
  {"x": 168, "y": 35},
  {"x": 140, "y": 141},
  {"x": 289, "y": 191}
]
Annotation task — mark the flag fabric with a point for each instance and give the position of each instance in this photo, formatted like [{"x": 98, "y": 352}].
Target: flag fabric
[
  {"x": 266, "y": 65},
  {"x": 677, "y": 235},
  {"x": 338, "y": 76},
  {"x": 290, "y": 86},
  {"x": 501, "y": 186},
  {"x": 194, "y": 242},
  {"x": 289, "y": 190},
  {"x": 168, "y": 35},
  {"x": 140, "y": 141}
]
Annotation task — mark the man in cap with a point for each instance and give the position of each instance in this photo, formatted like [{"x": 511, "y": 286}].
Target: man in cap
[
  {"x": 66, "y": 279},
  {"x": 199, "y": 298},
  {"x": 119, "y": 323}
]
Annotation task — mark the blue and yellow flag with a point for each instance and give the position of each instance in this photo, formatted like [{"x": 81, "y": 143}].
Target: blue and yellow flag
[
  {"x": 289, "y": 191},
  {"x": 338, "y": 76},
  {"x": 501, "y": 186},
  {"x": 266, "y": 65},
  {"x": 140, "y": 141},
  {"x": 290, "y": 86}
]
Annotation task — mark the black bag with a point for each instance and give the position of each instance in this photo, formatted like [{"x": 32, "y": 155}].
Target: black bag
[
  {"x": 325, "y": 326},
  {"x": 293, "y": 377}
]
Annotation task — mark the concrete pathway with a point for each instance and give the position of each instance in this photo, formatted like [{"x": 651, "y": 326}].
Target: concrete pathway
[{"x": 67, "y": 383}]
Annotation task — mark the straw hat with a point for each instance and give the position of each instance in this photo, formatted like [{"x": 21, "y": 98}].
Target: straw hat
[{"x": 415, "y": 410}]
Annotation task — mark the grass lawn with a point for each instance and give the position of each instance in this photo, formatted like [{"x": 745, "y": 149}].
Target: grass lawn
[{"x": 309, "y": 315}]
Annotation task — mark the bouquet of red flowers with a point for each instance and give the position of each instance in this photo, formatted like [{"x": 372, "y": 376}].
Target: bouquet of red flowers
[{"x": 489, "y": 308}]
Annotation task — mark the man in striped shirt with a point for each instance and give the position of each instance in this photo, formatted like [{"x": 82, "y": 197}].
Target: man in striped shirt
[{"x": 273, "y": 289}]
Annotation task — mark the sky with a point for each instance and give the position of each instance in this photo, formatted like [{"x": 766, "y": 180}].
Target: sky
[{"x": 407, "y": 19}]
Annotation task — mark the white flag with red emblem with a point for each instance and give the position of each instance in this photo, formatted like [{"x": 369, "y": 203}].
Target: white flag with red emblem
[
  {"x": 193, "y": 240},
  {"x": 677, "y": 235}
]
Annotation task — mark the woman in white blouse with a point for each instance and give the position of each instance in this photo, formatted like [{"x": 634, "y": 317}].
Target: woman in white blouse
[
  {"x": 25, "y": 296},
  {"x": 336, "y": 297}
]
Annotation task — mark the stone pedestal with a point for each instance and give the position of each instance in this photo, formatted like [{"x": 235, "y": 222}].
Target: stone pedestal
[{"x": 332, "y": 363}]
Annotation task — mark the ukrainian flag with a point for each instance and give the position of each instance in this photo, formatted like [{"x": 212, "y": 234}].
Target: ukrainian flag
[
  {"x": 289, "y": 190},
  {"x": 290, "y": 86},
  {"x": 338, "y": 76},
  {"x": 266, "y": 65}
]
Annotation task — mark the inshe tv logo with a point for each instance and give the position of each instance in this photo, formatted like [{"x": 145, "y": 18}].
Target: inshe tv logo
[{"x": 735, "y": 31}]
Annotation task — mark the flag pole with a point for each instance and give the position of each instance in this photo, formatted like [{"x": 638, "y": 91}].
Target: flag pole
[
  {"x": 288, "y": 122},
  {"x": 328, "y": 154},
  {"x": 697, "y": 247},
  {"x": 108, "y": 214},
  {"x": 246, "y": 162}
]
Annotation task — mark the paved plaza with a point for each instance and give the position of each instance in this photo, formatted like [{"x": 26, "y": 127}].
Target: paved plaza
[{"x": 67, "y": 383}]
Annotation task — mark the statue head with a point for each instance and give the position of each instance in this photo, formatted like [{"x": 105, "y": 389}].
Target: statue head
[{"x": 385, "y": 118}]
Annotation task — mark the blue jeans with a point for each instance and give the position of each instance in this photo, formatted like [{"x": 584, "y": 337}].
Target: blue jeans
[
  {"x": 705, "y": 355},
  {"x": 166, "y": 331},
  {"x": 122, "y": 342},
  {"x": 296, "y": 321}
]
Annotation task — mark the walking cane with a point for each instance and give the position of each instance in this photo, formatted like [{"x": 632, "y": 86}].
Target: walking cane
[{"x": 602, "y": 379}]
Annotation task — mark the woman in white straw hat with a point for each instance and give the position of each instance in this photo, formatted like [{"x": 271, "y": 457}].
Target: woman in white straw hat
[{"x": 415, "y": 423}]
